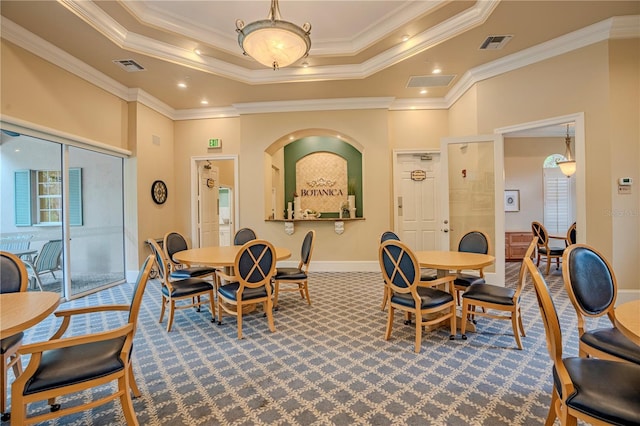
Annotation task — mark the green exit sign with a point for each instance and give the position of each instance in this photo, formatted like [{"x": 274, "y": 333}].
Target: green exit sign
[{"x": 215, "y": 143}]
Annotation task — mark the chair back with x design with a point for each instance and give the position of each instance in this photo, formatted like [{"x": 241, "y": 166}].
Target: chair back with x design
[{"x": 255, "y": 264}]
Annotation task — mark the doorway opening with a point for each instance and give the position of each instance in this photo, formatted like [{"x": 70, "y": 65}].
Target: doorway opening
[{"x": 214, "y": 199}]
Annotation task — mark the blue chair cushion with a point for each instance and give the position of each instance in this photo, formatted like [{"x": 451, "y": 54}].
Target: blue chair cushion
[
  {"x": 490, "y": 293},
  {"x": 612, "y": 341},
  {"x": 465, "y": 280},
  {"x": 10, "y": 341},
  {"x": 230, "y": 291},
  {"x": 606, "y": 390},
  {"x": 431, "y": 298},
  {"x": 290, "y": 274},
  {"x": 76, "y": 364},
  {"x": 427, "y": 276},
  {"x": 187, "y": 287},
  {"x": 192, "y": 272}
]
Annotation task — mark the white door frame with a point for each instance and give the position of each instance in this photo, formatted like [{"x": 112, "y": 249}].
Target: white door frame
[
  {"x": 194, "y": 188},
  {"x": 396, "y": 181}
]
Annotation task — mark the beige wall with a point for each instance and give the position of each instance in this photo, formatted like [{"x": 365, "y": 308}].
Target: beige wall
[
  {"x": 600, "y": 80},
  {"x": 39, "y": 92}
]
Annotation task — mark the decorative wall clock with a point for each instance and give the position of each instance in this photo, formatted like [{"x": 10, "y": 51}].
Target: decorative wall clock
[{"x": 159, "y": 192}]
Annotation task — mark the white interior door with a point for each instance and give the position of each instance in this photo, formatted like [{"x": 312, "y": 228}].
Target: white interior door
[
  {"x": 417, "y": 204},
  {"x": 208, "y": 211},
  {"x": 472, "y": 194}
]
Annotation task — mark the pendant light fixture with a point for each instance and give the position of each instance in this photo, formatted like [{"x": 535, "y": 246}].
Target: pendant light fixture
[
  {"x": 273, "y": 42},
  {"x": 568, "y": 165}
]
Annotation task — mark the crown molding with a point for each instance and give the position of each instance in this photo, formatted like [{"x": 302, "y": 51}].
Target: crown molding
[
  {"x": 613, "y": 28},
  {"x": 89, "y": 12},
  {"x": 313, "y": 105}
]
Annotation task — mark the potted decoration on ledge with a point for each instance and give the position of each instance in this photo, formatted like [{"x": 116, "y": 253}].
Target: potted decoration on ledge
[{"x": 344, "y": 210}]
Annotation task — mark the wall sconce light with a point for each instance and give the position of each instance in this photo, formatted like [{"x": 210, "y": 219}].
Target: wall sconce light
[{"x": 567, "y": 166}]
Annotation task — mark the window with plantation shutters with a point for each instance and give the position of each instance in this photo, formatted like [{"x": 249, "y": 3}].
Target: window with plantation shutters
[
  {"x": 38, "y": 197},
  {"x": 558, "y": 199}
]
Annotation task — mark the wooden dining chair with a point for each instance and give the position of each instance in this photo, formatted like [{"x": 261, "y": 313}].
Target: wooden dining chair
[
  {"x": 596, "y": 391},
  {"x": 243, "y": 235},
  {"x": 172, "y": 243},
  {"x": 66, "y": 365},
  {"x": 471, "y": 242},
  {"x": 592, "y": 288},
  {"x": 13, "y": 279},
  {"x": 296, "y": 279},
  {"x": 254, "y": 268},
  {"x": 544, "y": 249},
  {"x": 503, "y": 299},
  {"x": 571, "y": 235},
  {"x": 180, "y": 294},
  {"x": 401, "y": 272}
]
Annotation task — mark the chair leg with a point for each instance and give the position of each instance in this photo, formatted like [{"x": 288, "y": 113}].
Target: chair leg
[
  {"x": 268, "y": 308},
  {"x": 163, "y": 306},
  {"x": 418, "y": 333},
  {"x": 548, "y": 265},
  {"x": 133, "y": 385},
  {"x": 276, "y": 293},
  {"x": 387, "y": 334},
  {"x": 551, "y": 416},
  {"x": 306, "y": 292},
  {"x": 453, "y": 321},
  {"x": 172, "y": 310},
  {"x": 125, "y": 398},
  {"x": 212, "y": 307},
  {"x": 520, "y": 322},
  {"x": 239, "y": 318},
  {"x": 516, "y": 333},
  {"x": 384, "y": 298}
]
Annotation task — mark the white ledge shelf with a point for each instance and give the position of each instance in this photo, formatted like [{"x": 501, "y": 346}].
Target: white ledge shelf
[{"x": 338, "y": 223}]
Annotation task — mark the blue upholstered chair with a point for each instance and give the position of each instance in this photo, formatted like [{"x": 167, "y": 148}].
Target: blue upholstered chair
[
  {"x": 592, "y": 288},
  {"x": 254, "y": 268},
  {"x": 13, "y": 278},
  {"x": 72, "y": 364},
  {"x": 471, "y": 242},
  {"x": 243, "y": 236},
  {"x": 597, "y": 391},
  {"x": 425, "y": 275},
  {"x": 408, "y": 293},
  {"x": 174, "y": 291},
  {"x": 491, "y": 298},
  {"x": 298, "y": 276}
]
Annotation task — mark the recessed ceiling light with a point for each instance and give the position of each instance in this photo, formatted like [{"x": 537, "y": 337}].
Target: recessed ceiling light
[
  {"x": 305, "y": 64},
  {"x": 423, "y": 92},
  {"x": 204, "y": 102},
  {"x": 182, "y": 85},
  {"x": 405, "y": 37},
  {"x": 197, "y": 51},
  {"x": 436, "y": 71}
]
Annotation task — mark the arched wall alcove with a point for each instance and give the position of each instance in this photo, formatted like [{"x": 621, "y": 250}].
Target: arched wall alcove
[{"x": 332, "y": 168}]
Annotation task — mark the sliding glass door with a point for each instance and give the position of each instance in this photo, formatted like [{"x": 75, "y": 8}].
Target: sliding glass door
[
  {"x": 96, "y": 222},
  {"x": 62, "y": 212}
]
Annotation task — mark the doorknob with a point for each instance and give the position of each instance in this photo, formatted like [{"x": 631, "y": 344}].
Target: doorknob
[{"x": 445, "y": 230}]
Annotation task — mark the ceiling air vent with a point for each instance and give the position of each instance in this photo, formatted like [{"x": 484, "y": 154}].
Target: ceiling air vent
[
  {"x": 430, "y": 80},
  {"x": 495, "y": 42},
  {"x": 129, "y": 65}
]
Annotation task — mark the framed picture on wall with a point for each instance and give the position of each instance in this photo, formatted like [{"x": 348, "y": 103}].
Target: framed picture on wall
[{"x": 511, "y": 200}]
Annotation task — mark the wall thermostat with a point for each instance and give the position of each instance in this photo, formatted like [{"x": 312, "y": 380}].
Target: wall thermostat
[{"x": 625, "y": 181}]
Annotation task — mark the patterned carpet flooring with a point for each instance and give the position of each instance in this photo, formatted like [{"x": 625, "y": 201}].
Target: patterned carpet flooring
[{"x": 326, "y": 364}]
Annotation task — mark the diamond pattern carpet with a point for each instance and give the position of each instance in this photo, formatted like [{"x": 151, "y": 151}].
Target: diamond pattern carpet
[{"x": 326, "y": 364}]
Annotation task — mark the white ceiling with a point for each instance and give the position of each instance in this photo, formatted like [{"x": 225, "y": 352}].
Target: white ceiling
[{"x": 357, "y": 49}]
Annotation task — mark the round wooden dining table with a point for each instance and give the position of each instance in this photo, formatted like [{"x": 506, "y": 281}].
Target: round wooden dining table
[
  {"x": 444, "y": 261},
  {"x": 22, "y": 310},
  {"x": 219, "y": 256},
  {"x": 628, "y": 320}
]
